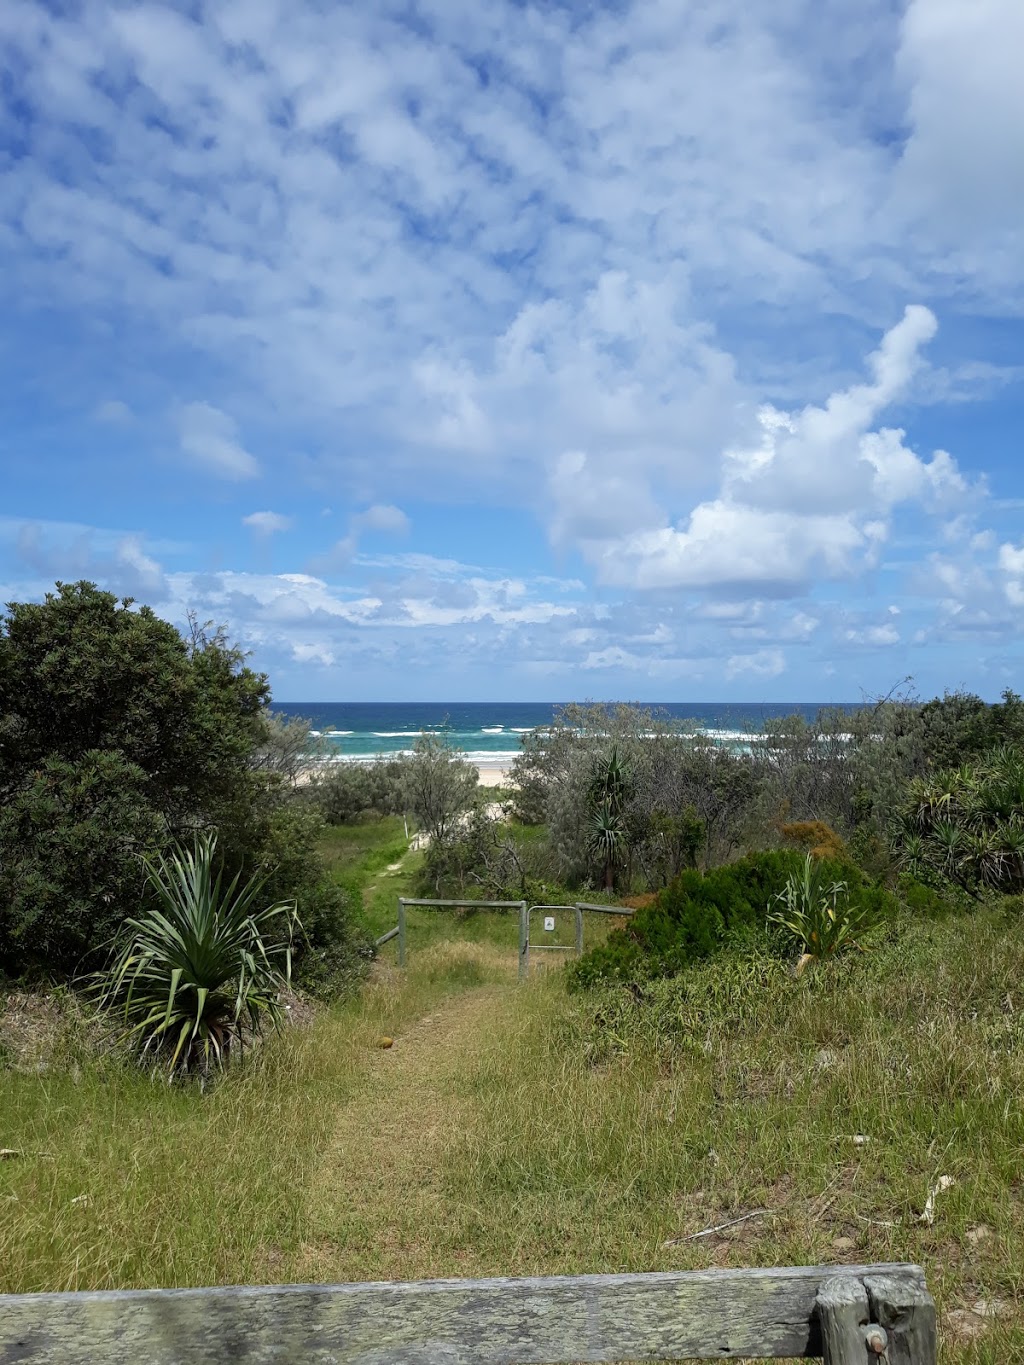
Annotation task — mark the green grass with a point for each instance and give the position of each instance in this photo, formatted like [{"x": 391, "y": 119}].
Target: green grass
[
  {"x": 517, "y": 1129},
  {"x": 123, "y": 1181}
]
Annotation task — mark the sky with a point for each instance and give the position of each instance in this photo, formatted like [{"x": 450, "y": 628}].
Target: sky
[{"x": 491, "y": 350}]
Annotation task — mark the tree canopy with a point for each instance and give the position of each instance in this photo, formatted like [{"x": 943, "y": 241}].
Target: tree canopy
[{"x": 116, "y": 735}]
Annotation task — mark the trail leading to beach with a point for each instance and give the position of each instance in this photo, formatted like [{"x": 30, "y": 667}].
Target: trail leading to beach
[{"x": 380, "y": 1207}]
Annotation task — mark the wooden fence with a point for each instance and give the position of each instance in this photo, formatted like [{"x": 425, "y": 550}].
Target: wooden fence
[
  {"x": 399, "y": 931},
  {"x": 850, "y": 1315}
]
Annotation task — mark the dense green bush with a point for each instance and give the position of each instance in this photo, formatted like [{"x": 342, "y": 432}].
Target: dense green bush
[
  {"x": 72, "y": 839},
  {"x": 965, "y": 827},
  {"x": 117, "y": 737},
  {"x": 345, "y": 793},
  {"x": 697, "y": 914},
  {"x": 330, "y": 952}
]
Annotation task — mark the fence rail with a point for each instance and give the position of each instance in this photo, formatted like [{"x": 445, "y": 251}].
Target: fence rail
[
  {"x": 524, "y": 921},
  {"x": 849, "y": 1314}
]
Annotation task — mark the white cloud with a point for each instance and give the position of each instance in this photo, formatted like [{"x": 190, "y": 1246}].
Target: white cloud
[
  {"x": 1011, "y": 565},
  {"x": 874, "y": 635},
  {"x": 813, "y": 498},
  {"x": 763, "y": 663},
  {"x": 210, "y": 438},
  {"x": 381, "y": 517},
  {"x": 962, "y": 172},
  {"x": 138, "y": 570},
  {"x": 548, "y": 259},
  {"x": 1011, "y": 560},
  {"x": 267, "y": 523}
]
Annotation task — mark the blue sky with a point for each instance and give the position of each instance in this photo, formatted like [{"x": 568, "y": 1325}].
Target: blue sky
[{"x": 475, "y": 349}]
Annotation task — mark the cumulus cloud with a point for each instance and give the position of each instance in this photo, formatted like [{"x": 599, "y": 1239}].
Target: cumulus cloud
[
  {"x": 763, "y": 663},
  {"x": 874, "y": 635},
  {"x": 1011, "y": 565},
  {"x": 382, "y": 517},
  {"x": 267, "y": 523},
  {"x": 812, "y": 498},
  {"x": 53, "y": 550},
  {"x": 210, "y": 438}
]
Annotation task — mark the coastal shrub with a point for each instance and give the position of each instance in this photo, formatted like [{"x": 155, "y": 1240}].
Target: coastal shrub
[
  {"x": 73, "y": 835},
  {"x": 699, "y": 914},
  {"x": 197, "y": 978},
  {"x": 820, "y": 840},
  {"x": 491, "y": 859},
  {"x": 438, "y": 785},
  {"x": 285, "y": 750},
  {"x": 681, "y": 798},
  {"x": 345, "y": 793},
  {"x": 119, "y": 736},
  {"x": 965, "y": 827},
  {"x": 330, "y": 952}
]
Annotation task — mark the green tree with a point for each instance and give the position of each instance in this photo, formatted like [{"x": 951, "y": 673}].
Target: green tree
[
  {"x": 116, "y": 736},
  {"x": 608, "y": 794},
  {"x": 438, "y": 784}
]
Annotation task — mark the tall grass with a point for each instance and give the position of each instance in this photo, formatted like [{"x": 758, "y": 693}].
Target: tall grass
[
  {"x": 122, "y": 1181},
  {"x": 611, "y": 1129},
  {"x": 516, "y": 1129}
]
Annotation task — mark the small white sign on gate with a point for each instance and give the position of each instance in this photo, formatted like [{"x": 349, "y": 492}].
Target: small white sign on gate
[{"x": 549, "y": 923}]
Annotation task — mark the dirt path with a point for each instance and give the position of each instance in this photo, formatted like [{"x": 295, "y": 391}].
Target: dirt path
[{"x": 380, "y": 1208}]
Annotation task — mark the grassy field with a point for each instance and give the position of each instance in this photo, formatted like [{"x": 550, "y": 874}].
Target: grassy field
[{"x": 514, "y": 1129}]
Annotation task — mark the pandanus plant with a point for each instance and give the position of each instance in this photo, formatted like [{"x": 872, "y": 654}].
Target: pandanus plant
[
  {"x": 966, "y": 826},
  {"x": 609, "y": 790},
  {"x": 817, "y": 915},
  {"x": 199, "y": 975}
]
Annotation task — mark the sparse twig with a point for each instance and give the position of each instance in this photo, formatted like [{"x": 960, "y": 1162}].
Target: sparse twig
[{"x": 718, "y": 1227}]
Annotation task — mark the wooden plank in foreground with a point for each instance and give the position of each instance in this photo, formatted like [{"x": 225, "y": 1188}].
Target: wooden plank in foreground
[{"x": 714, "y": 1314}]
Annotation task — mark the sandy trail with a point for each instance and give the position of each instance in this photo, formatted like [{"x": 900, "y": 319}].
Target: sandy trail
[{"x": 380, "y": 1208}]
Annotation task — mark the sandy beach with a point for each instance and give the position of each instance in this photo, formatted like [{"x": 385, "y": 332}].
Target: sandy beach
[
  {"x": 493, "y": 775},
  {"x": 490, "y": 774}
]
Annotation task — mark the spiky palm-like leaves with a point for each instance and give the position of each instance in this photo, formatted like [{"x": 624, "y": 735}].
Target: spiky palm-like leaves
[
  {"x": 607, "y": 796},
  {"x": 967, "y": 826},
  {"x": 202, "y": 971},
  {"x": 818, "y": 915}
]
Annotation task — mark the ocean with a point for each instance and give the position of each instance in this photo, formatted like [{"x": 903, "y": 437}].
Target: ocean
[{"x": 489, "y": 732}]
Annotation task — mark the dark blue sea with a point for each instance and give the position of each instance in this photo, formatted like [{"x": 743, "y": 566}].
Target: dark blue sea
[{"x": 489, "y": 732}]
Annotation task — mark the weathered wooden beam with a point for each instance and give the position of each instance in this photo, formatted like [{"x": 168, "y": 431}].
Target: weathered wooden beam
[
  {"x": 842, "y": 1316},
  {"x": 607, "y": 909},
  {"x": 907, "y": 1312},
  {"x": 386, "y": 938},
  {"x": 713, "y": 1314}
]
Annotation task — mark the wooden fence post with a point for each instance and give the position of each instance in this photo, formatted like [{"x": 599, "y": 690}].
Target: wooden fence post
[
  {"x": 579, "y": 930},
  {"x": 524, "y": 940},
  {"x": 843, "y": 1314},
  {"x": 401, "y": 932},
  {"x": 906, "y": 1311}
]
